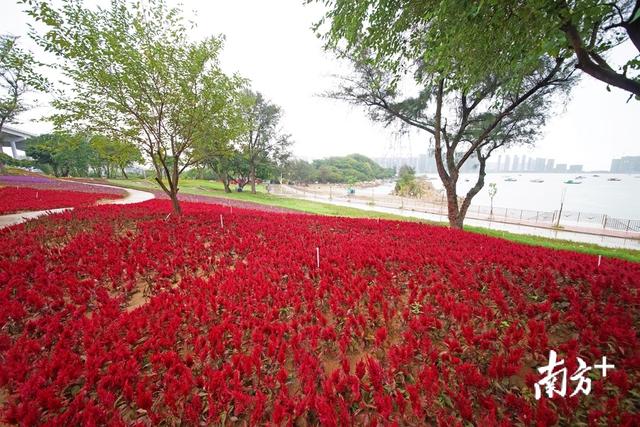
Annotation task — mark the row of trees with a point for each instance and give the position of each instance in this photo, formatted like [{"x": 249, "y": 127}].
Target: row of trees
[
  {"x": 249, "y": 148},
  {"x": 82, "y": 155},
  {"x": 486, "y": 72},
  {"x": 135, "y": 83},
  {"x": 348, "y": 169}
]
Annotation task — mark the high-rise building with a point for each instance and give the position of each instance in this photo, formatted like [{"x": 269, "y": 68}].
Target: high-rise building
[
  {"x": 560, "y": 168},
  {"x": 550, "y": 163},
  {"x": 575, "y": 168},
  {"x": 540, "y": 164},
  {"x": 516, "y": 163},
  {"x": 530, "y": 164},
  {"x": 626, "y": 164},
  {"x": 507, "y": 163}
]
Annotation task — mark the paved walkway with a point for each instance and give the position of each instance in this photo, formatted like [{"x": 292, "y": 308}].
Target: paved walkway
[
  {"x": 575, "y": 235},
  {"x": 133, "y": 196}
]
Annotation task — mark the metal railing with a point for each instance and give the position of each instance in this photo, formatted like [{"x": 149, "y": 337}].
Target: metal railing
[{"x": 509, "y": 215}]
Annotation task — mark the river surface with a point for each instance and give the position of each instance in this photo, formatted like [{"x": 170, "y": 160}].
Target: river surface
[{"x": 620, "y": 199}]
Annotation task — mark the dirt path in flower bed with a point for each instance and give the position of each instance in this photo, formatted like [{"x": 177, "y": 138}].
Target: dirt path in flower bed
[{"x": 402, "y": 323}]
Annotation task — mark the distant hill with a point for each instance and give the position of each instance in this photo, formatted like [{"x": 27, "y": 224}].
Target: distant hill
[{"x": 349, "y": 169}]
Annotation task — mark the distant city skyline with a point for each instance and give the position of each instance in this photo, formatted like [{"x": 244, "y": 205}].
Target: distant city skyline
[{"x": 425, "y": 163}]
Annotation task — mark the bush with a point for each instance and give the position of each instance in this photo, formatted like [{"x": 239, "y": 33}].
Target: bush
[{"x": 7, "y": 160}]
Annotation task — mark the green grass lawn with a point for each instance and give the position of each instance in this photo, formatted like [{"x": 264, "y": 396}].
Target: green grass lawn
[{"x": 215, "y": 189}]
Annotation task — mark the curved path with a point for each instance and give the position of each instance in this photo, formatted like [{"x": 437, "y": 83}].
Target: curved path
[{"x": 133, "y": 196}]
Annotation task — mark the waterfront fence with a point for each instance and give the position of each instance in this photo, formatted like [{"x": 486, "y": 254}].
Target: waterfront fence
[{"x": 480, "y": 212}]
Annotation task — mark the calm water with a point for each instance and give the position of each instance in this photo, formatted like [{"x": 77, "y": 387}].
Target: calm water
[{"x": 594, "y": 195}]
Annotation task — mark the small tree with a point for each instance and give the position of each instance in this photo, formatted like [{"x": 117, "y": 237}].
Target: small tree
[
  {"x": 407, "y": 185},
  {"x": 218, "y": 144},
  {"x": 493, "y": 190},
  {"x": 18, "y": 76},
  {"x": 300, "y": 171}
]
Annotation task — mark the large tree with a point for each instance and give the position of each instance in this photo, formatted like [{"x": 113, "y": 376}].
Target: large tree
[
  {"x": 18, "y": 75},
  {"x": 218, "y": 144},
  {"x": 464, "y": 123},
  {"x": 133, "y": 74},
  {"x": 263, "y": 142},
  {"x": 465, "y": 39},
  {"x": 472, "y": 100}
]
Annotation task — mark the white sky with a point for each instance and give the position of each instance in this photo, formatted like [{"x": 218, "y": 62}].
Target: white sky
[{"x": 271, "y": 43}]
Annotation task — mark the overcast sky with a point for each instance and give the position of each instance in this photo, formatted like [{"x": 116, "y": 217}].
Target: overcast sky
[{"x": 271, "y": 43}]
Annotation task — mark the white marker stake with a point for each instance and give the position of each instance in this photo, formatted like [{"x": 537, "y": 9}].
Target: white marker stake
[
  {"x": 231, "y": 206},
  {"x": 318, "y": 257},
  {"x": 599, "y": 260},
  {"x": 221, "y": 221}
]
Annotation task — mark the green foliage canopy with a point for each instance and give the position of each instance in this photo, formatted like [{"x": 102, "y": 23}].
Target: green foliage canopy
[
  {"x": 463, "y": 40},
  {"x": 63, "y": 154},
  {"x": 18, "y": 75},
  {"x": 347, "y": 169}
]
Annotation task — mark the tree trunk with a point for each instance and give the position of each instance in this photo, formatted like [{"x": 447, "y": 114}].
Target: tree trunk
[
  {"x": 633, "y": 27},
  {"x": 462, "y": 212},
  {"x": 225, "y": 182},
  {"x": 172, "y": 192},
  {"x": 453, "y": 209},
  {"x": 448, "y": 177},
  {"x": 124, "y": 173},
  {"x": 252, "y": 177},
  {"x": 176, "y": 204}
]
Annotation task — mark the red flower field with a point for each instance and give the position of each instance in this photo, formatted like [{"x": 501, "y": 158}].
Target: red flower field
[
  {"x": 120, "y": 315},
  {"x": 19, "y": 199}
]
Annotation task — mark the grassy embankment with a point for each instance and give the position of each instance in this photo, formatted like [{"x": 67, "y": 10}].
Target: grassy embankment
[{"x": 215, "y": 189}]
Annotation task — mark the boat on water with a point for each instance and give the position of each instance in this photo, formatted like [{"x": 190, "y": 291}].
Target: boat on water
[
  {"x": 579, "y": 177},
  {"x": 614, "y": 179},
  {"x": 571, "y": 181},
  {"x": 537, "y": 181},
  {"x": 510, "y": 179},
  {"x": 596, "y": 176}
]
